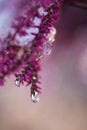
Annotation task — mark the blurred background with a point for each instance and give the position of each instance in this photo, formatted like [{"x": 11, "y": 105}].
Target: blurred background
[{"x": 63, "y": 102}]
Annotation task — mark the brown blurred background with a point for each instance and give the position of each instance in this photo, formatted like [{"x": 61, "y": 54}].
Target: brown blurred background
[
  {"x": 63, "y": 102},
  {"x": 75, "y": 1}
]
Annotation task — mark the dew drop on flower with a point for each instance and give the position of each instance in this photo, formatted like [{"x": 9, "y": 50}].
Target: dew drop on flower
[
  {"x": 53, "y": 31},
  {"x": 17, "y": 82},
  {"x": 51, "y": 35},
  {"x": 35, "y": 97},
  {"x": 47, "y": 50}
]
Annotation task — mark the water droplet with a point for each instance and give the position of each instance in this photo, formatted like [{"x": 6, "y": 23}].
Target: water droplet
[
  {"x": 53, "y": 31},
  {"x": 17, "y": 82},
  {"x": 47, "y": 50},
  {"x": 51, "y": 35},
  {"x": 35, "y": 97},
  {"x": 50, "y": 38}
]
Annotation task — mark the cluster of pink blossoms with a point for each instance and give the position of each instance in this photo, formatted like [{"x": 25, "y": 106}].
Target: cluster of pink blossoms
[{"x": 31, "y": 38}]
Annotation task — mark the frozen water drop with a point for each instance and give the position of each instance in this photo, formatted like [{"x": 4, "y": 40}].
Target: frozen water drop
[{"x": 35, "y": 97}]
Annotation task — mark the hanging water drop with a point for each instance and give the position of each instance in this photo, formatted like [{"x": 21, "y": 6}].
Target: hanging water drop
[
  {"x": 35, "y": 97},
  {"x": 17, "y": 82}
]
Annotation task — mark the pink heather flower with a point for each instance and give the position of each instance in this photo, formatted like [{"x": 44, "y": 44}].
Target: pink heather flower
[{"x": 24, "y": 47}]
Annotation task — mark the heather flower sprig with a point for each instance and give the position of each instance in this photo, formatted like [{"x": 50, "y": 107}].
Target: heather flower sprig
[{"x": 31, "y": 38}]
